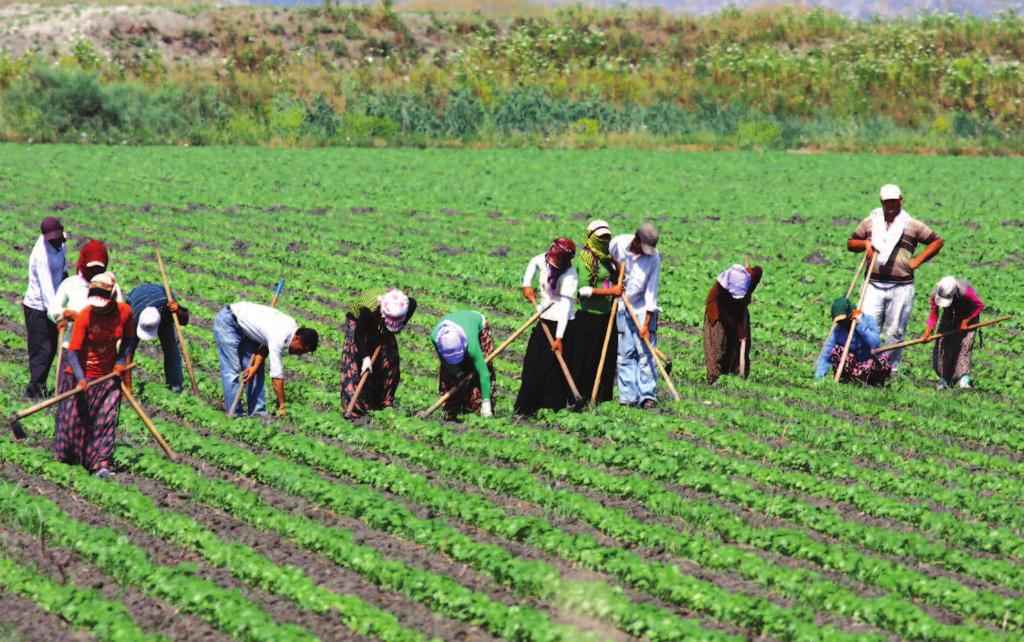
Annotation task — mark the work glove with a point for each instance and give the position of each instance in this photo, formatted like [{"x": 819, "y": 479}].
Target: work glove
[
  {"x": 485, "y": 408},
  {"x": 367, "y": 366},
  {"x": 586, "y": 292}
]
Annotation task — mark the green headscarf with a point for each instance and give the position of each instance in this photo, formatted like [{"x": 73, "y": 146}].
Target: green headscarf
[{"x": 595, "y": 252}]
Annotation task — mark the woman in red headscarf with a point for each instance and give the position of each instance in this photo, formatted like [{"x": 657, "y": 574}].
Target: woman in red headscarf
[
  {"x": 71, "y": 296},
  {"x": 543, "y": 383}
]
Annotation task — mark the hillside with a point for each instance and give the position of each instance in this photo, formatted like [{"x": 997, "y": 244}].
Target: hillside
[{"x": 764, "y": 78}]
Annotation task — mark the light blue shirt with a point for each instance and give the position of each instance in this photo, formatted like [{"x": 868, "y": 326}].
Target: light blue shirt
[
  {"x": 865, "y": 338},
  {"x": 46, "y": 268}
]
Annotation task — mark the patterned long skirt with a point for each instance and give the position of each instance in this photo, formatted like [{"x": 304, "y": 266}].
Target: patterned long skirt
[
  {"x": 468, "y": 397},
  {"x": 86, "y": 424},
  {"x": 953, "y": 356},
  {"x": 873, "y": 372},
  {"x": 722, "y": 348},
  {"x": 380, "y": 388}
]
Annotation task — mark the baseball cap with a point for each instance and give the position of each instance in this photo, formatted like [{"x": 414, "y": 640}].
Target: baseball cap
[
  {"x": 149, "y": 324},
  {"x": 105, "y": 282},
  {"x": 599, "y": 228},
  {"x": 648, "y": 238},
  {"x": 945, "y": 290},
  {"x": 52, "y": 229},
  {"x": 890, "y": 192},
  {"x": 841, "y": 308}
]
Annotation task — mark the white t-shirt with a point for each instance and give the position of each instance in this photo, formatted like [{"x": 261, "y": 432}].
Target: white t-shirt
[
  {"x": 563, "y": 310},
  {"x": 46, "y": 268},
  {"x": 641, "y": 275},
  {"x": 267, "y": 326}
]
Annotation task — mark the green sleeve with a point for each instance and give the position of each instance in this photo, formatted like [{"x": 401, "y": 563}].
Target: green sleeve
[{"x": 475, "y": 352}]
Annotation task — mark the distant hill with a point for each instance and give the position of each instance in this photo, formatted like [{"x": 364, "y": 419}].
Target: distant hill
[{"x": 853, "y": 8}]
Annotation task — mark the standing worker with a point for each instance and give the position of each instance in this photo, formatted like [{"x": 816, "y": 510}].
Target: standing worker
[
  {"x": 463, "y": 340},
  {"x": 250, "y": 333},
  {"x": 153, "y": 311},
  {"x": 727, "y": 321},
  {"x": 72, "y": 297},
  {"x": 86, "y": 422},
  {"x": 588, "y": 329},
  {"x": 372, "y": 323},
  {"x": 861, "y": 364},
  {"x": 893, "y": 236},
  {"x": 636, "y": 374},
  {"x": 952, "y": 355},
  {"x": 47, "y": 268},
  {"x": 543, "y": 384}
]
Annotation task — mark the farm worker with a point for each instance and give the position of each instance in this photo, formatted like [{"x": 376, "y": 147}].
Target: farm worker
[
  {"x": 47, "y": 267},
  {"x": 462, "y": 340},
  {"x": 248, "y": 334},
  {"x": 543, "y": 382},
  {"x": 72, "y": 296},
  {"x": 153, "y": 312},
  {"x": 961, "y": 307},
  {"x": 374, "y": 320},
  {"x": 861, "y": 365},
  {"x": 636, "y": 375},
  {"x": 600, "y": 277},
  {"x": 727, "y": 320},
  {"x": 893, "y": 236},
  {"x": 86, "y": 422}
]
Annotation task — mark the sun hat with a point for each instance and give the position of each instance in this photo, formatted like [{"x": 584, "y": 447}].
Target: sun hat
[
  {"x": 101, "y": 289},
  {"x": 451, "y": 343},
  {"x": 736, "y": 280},
  {"x": 945, "y": 290},
  {"x": 599, "y": 228},
  {"x": 841, "y": 309},
  {"x": 149, "y": 324},
  {"x": 394, "y": 305},
  {"x": 890, "y": 192},
  {"x": 648, "y": 237}
]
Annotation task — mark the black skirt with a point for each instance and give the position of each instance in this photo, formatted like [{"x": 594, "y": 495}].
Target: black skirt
[
  {"x": 588, "y": 330},
  {"x": 543, "y": 383}
]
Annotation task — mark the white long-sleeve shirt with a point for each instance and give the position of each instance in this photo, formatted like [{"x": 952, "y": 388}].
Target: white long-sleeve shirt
[
  {"x": 563, "y": 311},
  {"x": 46, "y": 267},
  {"x": 73, "y": 294},
  {"x": 268, "y": 326},
  {"x": 641, "y": 275}
]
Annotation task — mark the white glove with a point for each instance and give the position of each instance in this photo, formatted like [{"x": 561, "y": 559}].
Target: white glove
[
  {"x": 586, "y": 292},
  {"x": 367, "y": 366},
  {"x": 485, "y": 408}
]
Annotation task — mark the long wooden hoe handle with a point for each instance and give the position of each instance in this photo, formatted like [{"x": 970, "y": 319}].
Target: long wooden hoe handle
[
  {"x": 654, "y": 355},
  {"x": 849, "y": 291},
  {"x": 52, "y": 401},
  {"x": 853, "y": 323},
  {"x": 60, "y": 353},
  {"x": 148, "y": 423},
  {"x": 914, "y": 342},
  {"x": 241, "y": 384},
  {"x": 561, "y": 362},
  {"x": 362, "y": 382},
  {"x": 177, "y": 328},
  {"x": 504, "y": 344},
  {"x": 607, "y": 339}
]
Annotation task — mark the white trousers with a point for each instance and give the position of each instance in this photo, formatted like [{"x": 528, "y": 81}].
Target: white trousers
[{"x": 891, "y": 306}]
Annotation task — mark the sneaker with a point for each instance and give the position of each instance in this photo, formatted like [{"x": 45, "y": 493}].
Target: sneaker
[
  {"x": 647, "y": 404},
  {"x": 942, "y": 384},
  {"x": 965, "y": 382},
  {"x": 103, "y": 473}
]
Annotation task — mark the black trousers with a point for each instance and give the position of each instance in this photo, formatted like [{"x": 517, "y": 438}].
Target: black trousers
[{"x": 42, "y": 347}]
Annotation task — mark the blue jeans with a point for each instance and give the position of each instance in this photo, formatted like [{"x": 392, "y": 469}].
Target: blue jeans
[
  {"x": 235, "y": 350},
  {"x": 636, "y": 373}
]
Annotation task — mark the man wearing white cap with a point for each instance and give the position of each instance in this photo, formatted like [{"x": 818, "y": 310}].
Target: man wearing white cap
[
  {"x": 153, "y": 312},
  {"x": 891, "y": 236},
  {"x": 636, "y": 372},
  {"x": 952, "y": 355},
  {"x": 727, "y": 321}
]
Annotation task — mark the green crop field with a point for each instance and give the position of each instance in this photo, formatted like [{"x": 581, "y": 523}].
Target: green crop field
[{"x": 772, "y": 508}]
